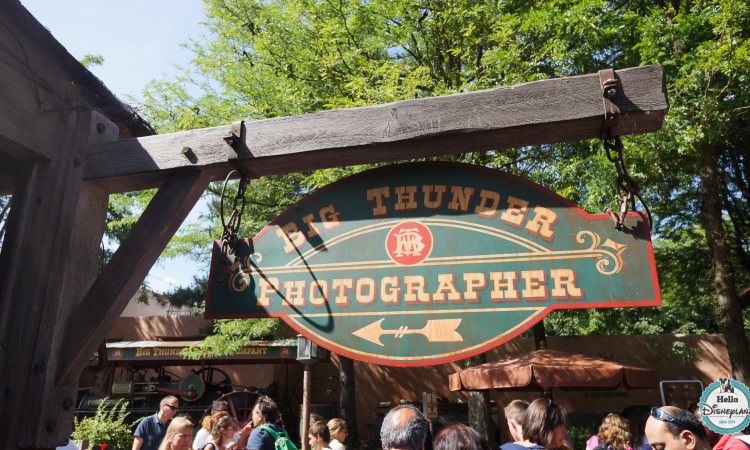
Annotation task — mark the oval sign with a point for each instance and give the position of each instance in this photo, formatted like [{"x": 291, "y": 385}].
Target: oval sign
[{"x": 427, "y": 263}]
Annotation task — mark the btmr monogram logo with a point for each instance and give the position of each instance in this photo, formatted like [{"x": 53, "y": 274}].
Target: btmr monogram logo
[{"x": 409, "y": 243}]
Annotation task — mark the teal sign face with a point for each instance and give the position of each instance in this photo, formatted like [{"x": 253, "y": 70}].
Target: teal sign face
[{"x": 420, "y": 264}]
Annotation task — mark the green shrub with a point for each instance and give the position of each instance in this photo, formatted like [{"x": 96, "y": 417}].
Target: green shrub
[
  {"x": 579, "y": 435},
  {"x": 108, "y": 426}
]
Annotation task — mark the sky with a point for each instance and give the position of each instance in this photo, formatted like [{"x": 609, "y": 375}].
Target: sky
[{"x": 140, "y": 41}]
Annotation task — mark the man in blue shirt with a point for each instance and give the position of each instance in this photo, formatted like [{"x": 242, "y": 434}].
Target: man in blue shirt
[
  {"x": 150, "y": 431},
  {"x": 265, "y": 413}
]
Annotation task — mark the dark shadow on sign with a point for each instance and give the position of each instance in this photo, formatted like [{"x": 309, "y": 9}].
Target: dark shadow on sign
[
  {"x": 328, "y": 325},
  {"x": 635, "y": 227}
]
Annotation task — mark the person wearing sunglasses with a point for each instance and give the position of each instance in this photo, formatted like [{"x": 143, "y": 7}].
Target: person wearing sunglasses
[
  {"x": 672, "y": 428},
  {"x": 219, "y": 408},
  {"x": 222, "y": 435},
  {"x": 151, "y": 430}
]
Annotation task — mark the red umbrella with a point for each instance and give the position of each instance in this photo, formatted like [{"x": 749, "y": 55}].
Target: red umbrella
[{"x": 541, "y": 370}]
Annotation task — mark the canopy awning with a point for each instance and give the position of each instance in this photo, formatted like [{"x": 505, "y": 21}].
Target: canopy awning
[{"x": 542, "y": 370}]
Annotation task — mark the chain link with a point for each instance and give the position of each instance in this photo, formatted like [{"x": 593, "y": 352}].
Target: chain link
[
  {"x": 626, "y": 187},
  {"x": 232, "y": 227}
]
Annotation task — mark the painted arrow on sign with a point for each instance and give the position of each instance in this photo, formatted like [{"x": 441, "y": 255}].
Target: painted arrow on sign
[{"x": 440, "y": 330}]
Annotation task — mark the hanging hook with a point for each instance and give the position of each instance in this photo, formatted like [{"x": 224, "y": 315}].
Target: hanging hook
[
  {"x": 231, "y": 227},
  {"x": 627, "y": 189}
]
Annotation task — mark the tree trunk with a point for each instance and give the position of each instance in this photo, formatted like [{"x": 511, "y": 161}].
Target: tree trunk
[
  {"x": 480, "y": 414},
  {"x": 730, "y": 313},
  {"x": 347, "y": 400}
]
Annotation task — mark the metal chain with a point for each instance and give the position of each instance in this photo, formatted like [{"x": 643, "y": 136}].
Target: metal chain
[
  {"x": 232, "y": 226},
  {"x": 626, "y": 187}
]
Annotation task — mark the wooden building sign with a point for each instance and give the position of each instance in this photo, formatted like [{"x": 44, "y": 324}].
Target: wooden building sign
[
  {"x": 427, "y": 263},
  {"x": 171, "y": 352}
]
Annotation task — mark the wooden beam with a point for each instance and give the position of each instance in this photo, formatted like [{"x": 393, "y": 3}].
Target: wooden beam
[
  {"x": 122, "y": 276},
  {"x": 541, "y": 112}
]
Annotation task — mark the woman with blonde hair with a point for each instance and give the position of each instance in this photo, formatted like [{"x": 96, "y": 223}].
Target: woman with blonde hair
[
  {"x": 614, "y": 433},
  {"x": 337, "y": 428},
  {"x": 179, "y": 435}
]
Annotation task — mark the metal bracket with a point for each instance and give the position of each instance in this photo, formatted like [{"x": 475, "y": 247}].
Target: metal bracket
[
  {"x": 235, "y": 139},
  {"x": 610, "y": 86}
]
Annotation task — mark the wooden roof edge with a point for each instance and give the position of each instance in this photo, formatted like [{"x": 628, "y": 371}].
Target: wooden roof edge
[{"x": 83, "y": 85}]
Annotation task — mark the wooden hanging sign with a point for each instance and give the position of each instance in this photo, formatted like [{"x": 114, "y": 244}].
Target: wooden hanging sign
[{"x": 426, "y": 263}]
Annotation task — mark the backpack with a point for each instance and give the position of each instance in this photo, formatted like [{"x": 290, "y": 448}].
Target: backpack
[{"x": 281, "y": 440}]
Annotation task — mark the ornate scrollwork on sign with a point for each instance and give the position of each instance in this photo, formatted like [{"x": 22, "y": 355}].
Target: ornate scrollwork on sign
[
  {"x": 253, "y": 256},
  {"x": 239, "y": 272},
  {"x": 607, "y": 257},
  {"x": 239, "y": 277}
]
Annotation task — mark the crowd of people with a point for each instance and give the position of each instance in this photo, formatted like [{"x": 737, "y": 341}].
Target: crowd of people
[
  {"x": 220, "y": 431},
  {"x": 538, "y": 425}
]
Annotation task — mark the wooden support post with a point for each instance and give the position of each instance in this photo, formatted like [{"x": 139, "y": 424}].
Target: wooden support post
[
  {"x": 53, "y": 242},
  {"x": 47, "y": 274},
  {"x": 306, "y": 386},
  {"x": 347, "y": 397}
]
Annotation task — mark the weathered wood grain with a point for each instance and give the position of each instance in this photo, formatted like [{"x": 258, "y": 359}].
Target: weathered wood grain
[
  {"x": 41, "y": 279},
  {"x": 541, "y": 112},
  {"x": 125, "y": 272},
  {"x": 50, "y": 400}
]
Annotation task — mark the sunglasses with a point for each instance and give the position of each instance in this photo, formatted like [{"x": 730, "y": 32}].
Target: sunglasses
[
  {"x": 173, "y": 408},
  {"x": 659, "y": 414}
]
